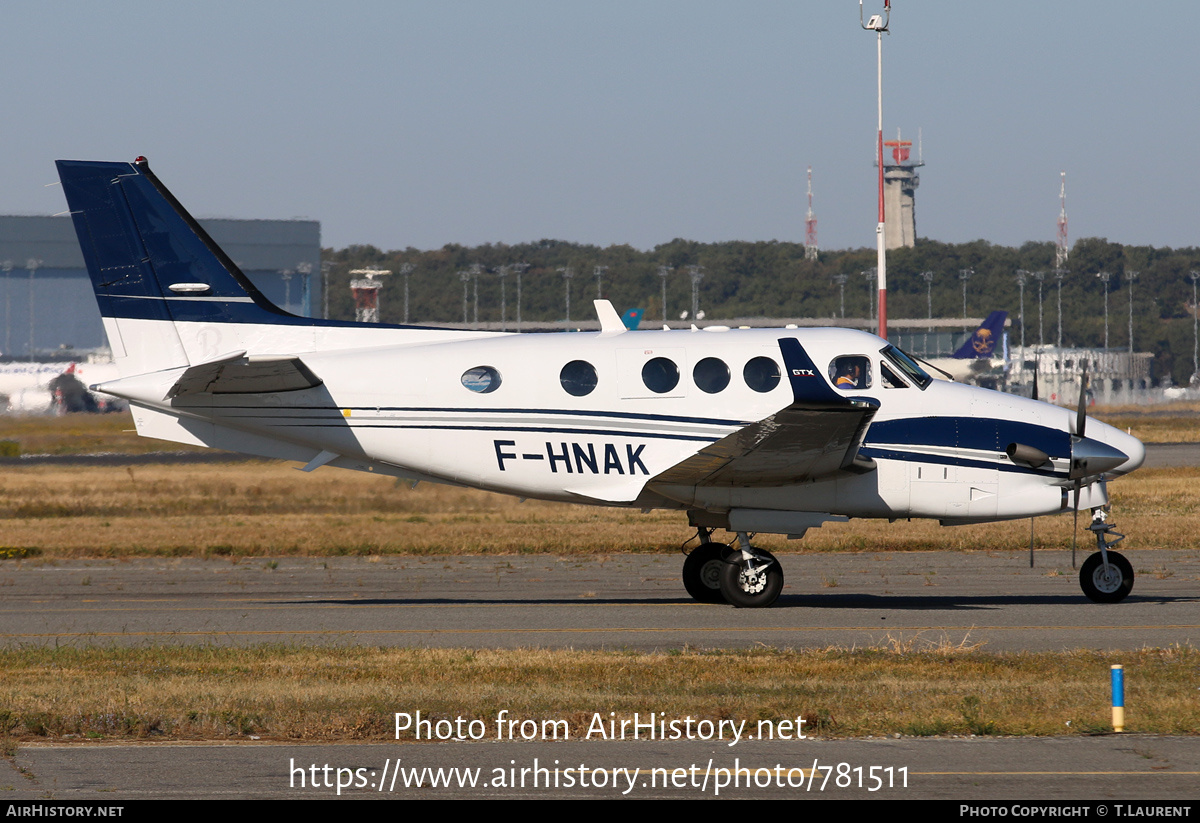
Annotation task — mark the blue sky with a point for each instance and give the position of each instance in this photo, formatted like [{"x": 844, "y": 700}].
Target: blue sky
[{"x": 425, "y": 123}]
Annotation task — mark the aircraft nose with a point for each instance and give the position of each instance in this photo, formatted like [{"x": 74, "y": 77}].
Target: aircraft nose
[
  {"x": 1129, "y": 446},
  {"x": 1133, "y": 448}
]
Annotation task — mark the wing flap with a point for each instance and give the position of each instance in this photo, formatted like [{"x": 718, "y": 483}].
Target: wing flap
[{"x": 238, "y": 374}]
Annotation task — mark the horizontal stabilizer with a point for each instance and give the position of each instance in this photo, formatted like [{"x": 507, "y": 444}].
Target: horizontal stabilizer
[{"x": 238, "y": 374}]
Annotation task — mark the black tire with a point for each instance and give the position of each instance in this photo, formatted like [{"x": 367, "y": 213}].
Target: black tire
[
  {"x": 747, "y": 590},
  {"x": 702, "y": 572},
  {"x": 1110, "y": 588}
]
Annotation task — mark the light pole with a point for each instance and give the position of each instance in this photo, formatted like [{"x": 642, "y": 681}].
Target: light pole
[
  {"x": 1105, "y": 276},
  {"x": 1195, "y": 275},
  {"x": 7, "y": 305},
  {"x": 304, "y": 269},
  {"x": 598, "y": 272},
  {"x": 502, "y": 272},
  {"x": 696, "y": 273},
  {"x": 325, "y": 267},
  {"x": 476, "y": 270},
  {"x": 964, "y": 275},
  {"x": 927, "y": 276},
  {"x": 841, "y": 279},
  {"x": 1022, "y": 276},
  {"x": 286, "y": 276},
  {"x": 32, "y": 264},
  {"x": 1040, "y": 276},
  {"x": 879, "y": 24},
  {"x": 519, "y": 268},
  {"x": 465, "y": 277},
  {"x": 406, "y": 269},
  {"x": 870, "y": 276},
  {"x": 567, "y": 274},
  {"x": 1130, "y": 276},
  {"x": 664, "y": 272}
]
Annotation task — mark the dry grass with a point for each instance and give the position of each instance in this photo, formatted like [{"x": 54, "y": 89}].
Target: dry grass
[
  {"x": 81, "y": 434},
  {"x": 1169, "y": 423},
  {"x": 266, "y": 508},
  {"x": 291, "y": 693}
]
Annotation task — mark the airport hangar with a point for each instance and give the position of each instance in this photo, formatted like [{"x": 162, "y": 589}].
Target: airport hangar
[{"x": 42, "y": 275}]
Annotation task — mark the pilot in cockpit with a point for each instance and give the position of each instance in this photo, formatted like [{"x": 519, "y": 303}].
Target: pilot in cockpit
[{"x": 851, "y": 373}]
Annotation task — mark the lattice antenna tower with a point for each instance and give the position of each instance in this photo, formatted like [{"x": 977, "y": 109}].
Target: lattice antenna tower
[
  {"x": 1060, "y": 250},
  {"x": 810, "y": 225}
]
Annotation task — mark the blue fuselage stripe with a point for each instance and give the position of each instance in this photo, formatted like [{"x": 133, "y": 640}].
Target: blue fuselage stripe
[
  {"x": 951, "y": 460},
  {"x": 580, "y": 413}
]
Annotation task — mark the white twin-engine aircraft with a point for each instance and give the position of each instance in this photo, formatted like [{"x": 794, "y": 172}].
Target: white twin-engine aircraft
[{"x": 748, "y": 431}]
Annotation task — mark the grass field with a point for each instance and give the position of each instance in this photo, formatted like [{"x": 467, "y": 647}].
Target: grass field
[
  {"x": 308, "y": 694},
  {"x": 270, "y": 509}
]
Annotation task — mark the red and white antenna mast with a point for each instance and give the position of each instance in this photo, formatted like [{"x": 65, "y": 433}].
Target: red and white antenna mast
[
  {"x": 878, "y": 23},
  {"x": 1060, "y": 251},
  {"x": 810, "y": 225}
]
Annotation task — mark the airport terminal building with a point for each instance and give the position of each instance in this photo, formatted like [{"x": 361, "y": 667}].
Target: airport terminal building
[{"x": 46, "y": 298}]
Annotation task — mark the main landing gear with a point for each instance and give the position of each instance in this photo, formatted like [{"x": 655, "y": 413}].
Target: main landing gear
[
  {"x": 1106, "y": 576},
  {"x": 702, "y": 569},
  {"x": 746, "y": 577}
]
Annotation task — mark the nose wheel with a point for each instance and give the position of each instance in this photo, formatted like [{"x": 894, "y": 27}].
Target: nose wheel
[{"x": 1106, "y": 576}]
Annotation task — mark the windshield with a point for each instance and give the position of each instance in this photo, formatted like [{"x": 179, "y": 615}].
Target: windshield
[{"x": 907, "y": 366}]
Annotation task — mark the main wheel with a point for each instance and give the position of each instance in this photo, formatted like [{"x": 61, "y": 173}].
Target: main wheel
[
  {"x": 702, "y": 572},
  {"x": 753, "y": 584},
  {"x": 1106, "y": 587}
]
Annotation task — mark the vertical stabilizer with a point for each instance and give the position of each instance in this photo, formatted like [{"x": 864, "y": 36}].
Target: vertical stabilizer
[
  {"x": 152, "y": 266},
  {"x": 983, "y": 342}
]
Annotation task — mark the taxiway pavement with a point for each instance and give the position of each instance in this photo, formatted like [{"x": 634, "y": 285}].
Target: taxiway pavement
[{"x": 620, "y": 601}]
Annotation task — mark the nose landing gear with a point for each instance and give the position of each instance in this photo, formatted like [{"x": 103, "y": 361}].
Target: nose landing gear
[{"x": 1106, "y": 576}]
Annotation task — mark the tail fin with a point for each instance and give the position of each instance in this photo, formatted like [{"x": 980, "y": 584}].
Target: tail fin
[
  {"x": 153, "y": 266},
  {"x": 983, "y": 342}
]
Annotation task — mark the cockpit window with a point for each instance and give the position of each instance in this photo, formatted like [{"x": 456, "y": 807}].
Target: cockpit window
[
  {"x": 889, "y": 379},
  {"x": 850, "y": 372},
  {"x": 907, "y": 366}
]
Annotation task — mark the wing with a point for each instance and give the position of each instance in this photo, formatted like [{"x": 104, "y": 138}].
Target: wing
[
  {"x": 238, "y": 374},
  {"x": 818, "y": 434}
]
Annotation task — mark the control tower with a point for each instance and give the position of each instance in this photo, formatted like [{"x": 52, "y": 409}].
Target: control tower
[{"x": 900, "y": 181}]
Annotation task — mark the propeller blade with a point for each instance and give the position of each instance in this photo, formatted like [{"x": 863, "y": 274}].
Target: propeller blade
[
  {"x": 1035, "y": 382},
  {"x": 1081, "y": 413},
  {"x": 1075, "y": 522}
]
